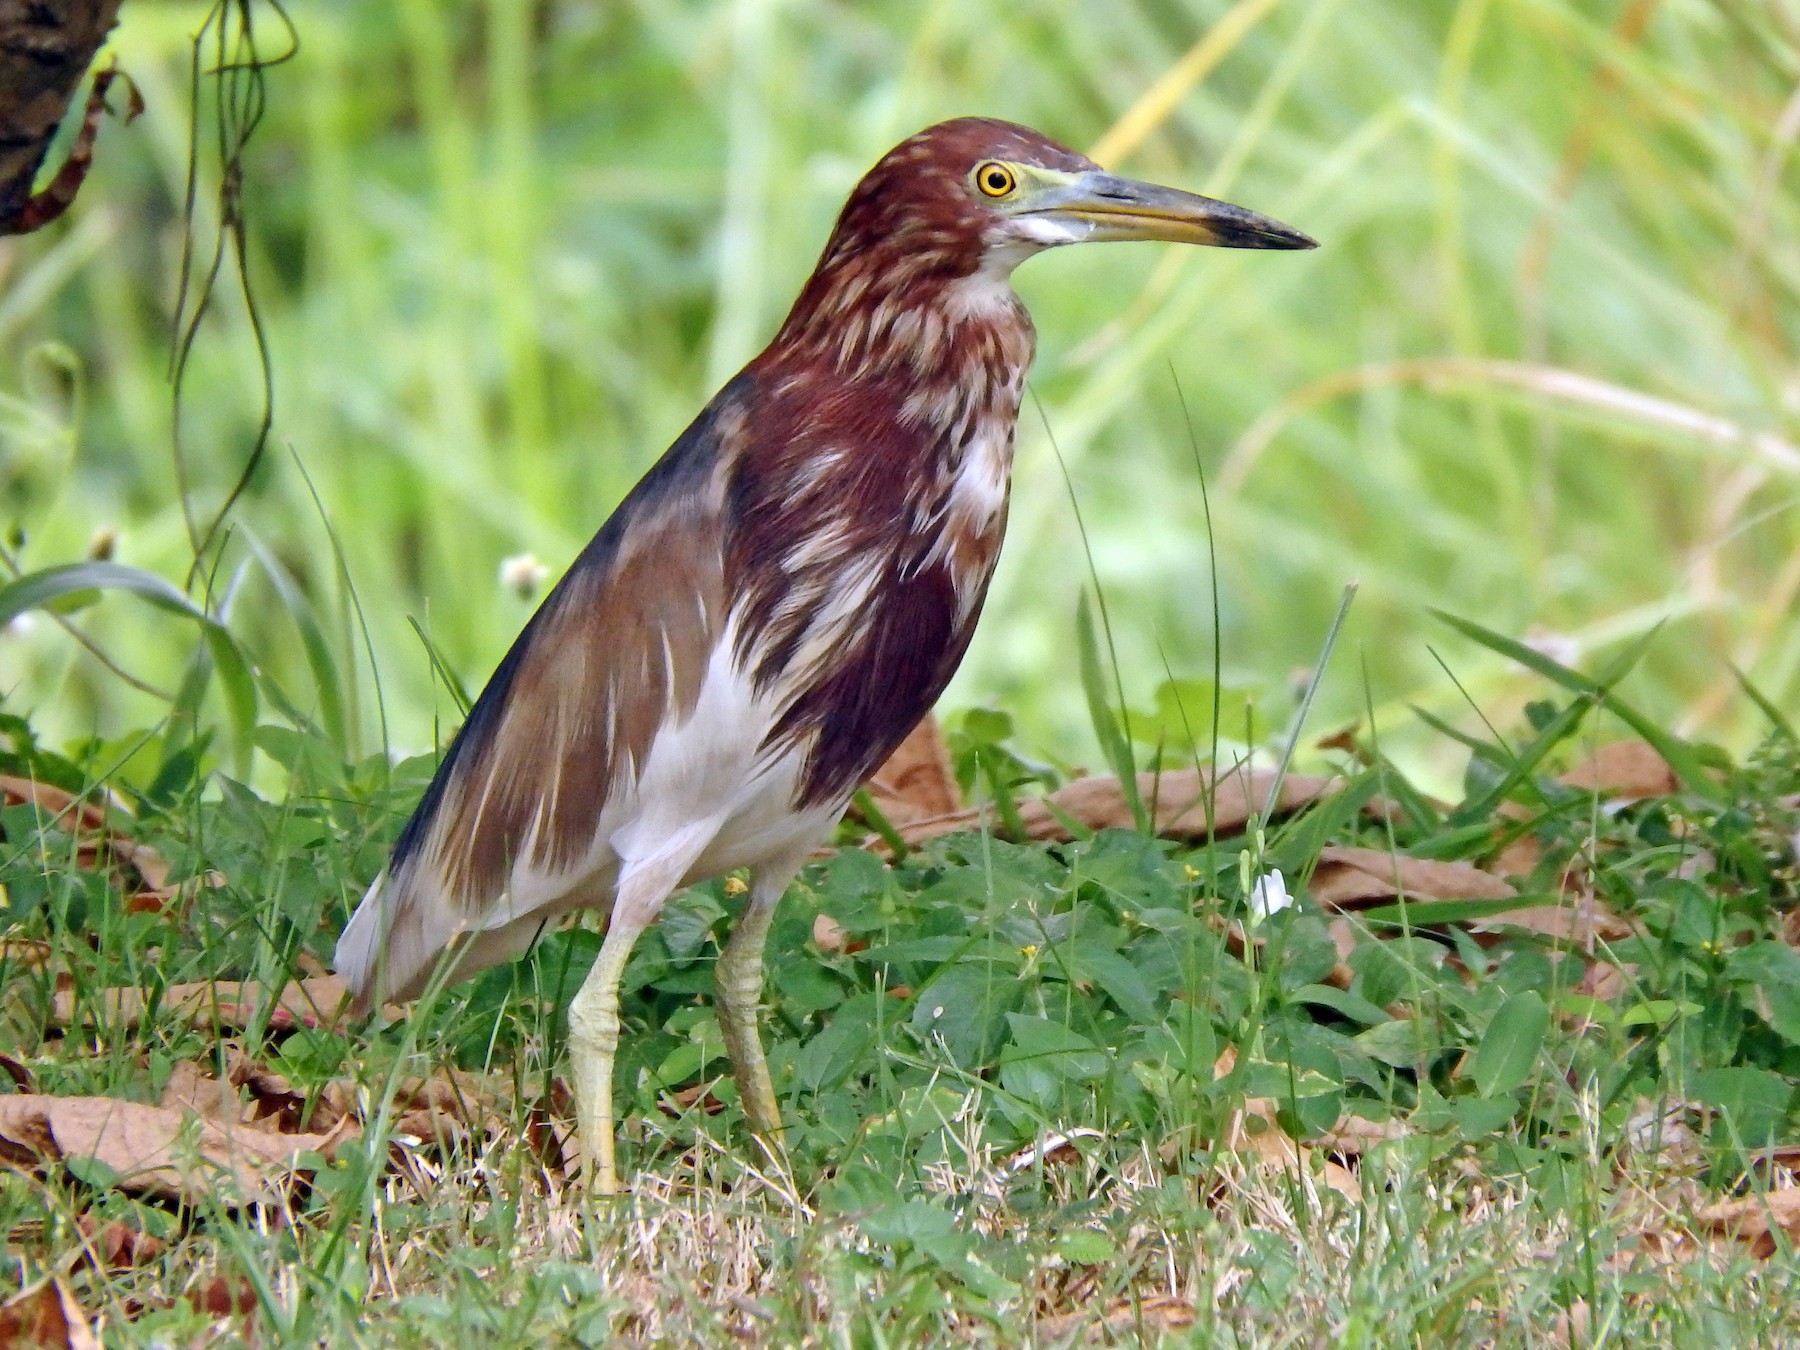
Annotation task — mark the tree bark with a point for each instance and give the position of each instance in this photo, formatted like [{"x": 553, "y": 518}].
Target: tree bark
[{"x": 45, "y": 48}]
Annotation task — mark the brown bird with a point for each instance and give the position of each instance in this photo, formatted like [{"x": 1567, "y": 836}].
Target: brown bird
[{"x": 769, "y": 611}]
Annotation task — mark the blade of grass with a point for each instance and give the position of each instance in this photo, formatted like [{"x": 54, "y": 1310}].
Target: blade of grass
[
  {"x": 37, "y": 590},
  {"x": 1681, "y": 758},
  {"x": 441, "y": 669},
  {"x": 1765, "y": 705},
  {"x": 312, "y": 640},
  {"x": 1306, "y": 703},
  {"x": 1115, "y": 741},
  {"x": 1113, "y": 744}
]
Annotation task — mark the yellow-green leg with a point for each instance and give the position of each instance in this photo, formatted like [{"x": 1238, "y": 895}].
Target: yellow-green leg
[
  {"x": 593, "y": 1047},
  {"x": 594, "y": 1011},
  {"x": 739, "y": 978}
]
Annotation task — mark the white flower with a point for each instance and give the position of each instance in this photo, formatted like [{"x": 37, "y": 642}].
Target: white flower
[
  {"x": 1269, "y": 896},
  {"x": 523, "y": 574}
]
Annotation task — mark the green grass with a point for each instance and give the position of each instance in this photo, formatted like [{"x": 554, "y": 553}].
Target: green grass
[
  {"x": 501, "y": 261},
  {"x": 1497, "y": 1145}
]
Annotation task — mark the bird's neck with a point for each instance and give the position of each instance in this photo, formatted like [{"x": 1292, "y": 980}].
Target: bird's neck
[{"x": 959, "y": 342}]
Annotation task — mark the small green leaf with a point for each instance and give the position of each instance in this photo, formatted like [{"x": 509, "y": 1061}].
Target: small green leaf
[
  {"x": 1477, "y": 1117},
  {"x": 687, "y": 1060},
  {"x": 1085, "y": 1247},
  {"x": 1657, "y": 1012},
  {"x": 827, "y": 1059},
  {"x": 1043, "y": 1056},
  {"x": 913, "y": 1221},
  {"x": 1509, "y": 1050},
  {"x": 1394, "y": 1043},
  {"x": 1764, "y": 965},
  {"x": 92, "y": 1171},
  {"x": 984, "y": 726},
  {"x": 1353, "y": 1006},
  {"x": 1123, "y": 982},
  {"x": 1755, "y": 1102}
]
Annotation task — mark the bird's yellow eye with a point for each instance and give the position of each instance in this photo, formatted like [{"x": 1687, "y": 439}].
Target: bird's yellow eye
[{"x": 994, "y": 179}]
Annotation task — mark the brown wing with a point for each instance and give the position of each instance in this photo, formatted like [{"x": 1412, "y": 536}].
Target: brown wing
[{"x": 508, "y": 825}]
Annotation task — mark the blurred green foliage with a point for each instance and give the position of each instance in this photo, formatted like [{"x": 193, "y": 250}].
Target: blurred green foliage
[{"x": 504, "y": 252}]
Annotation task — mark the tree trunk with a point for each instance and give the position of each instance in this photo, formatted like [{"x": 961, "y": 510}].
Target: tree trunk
[{"x": 45, "y": 48}]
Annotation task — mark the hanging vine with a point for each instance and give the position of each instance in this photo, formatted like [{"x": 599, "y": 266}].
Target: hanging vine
[{"x": 227, "y": 58}]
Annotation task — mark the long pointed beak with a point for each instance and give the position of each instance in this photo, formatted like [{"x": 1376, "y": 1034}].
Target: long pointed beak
[{"x": 1121, "y": 208}]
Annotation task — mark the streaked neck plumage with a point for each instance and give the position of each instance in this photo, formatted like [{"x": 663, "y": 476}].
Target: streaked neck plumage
[{"x": 946, "y": 326}]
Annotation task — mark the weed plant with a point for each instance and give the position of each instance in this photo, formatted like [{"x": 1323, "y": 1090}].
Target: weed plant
[{"x": 1025, "y": 1083}]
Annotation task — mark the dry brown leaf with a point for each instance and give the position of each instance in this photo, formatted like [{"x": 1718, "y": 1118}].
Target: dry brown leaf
[
  {"x": 252, "y": 1099},
  {"x": 1583, "y": 920},
  {"x": 72, "y": 814},
  {"x": 1753, "y": 1219},
  {"x": 1253, "y": 1130},
  {"x": 88, "y": 823},
  {"x": 1604, "y": 981},
  {"x": 307, "y": 964},
  {"x": 1185, "y": 804},
  {"x": 46, "y": 1315},
  {"x": 1624, "y": 771},
  {"x": 1347, "y": 878},
  {"x": 1343, "y": 937},
  {"x": 160, "y": 896},
  {"x": 316, "y": 1001},
  {"x": 116, "y": 1245},
  {"x": 22, "y": 954},
  {"x": 192, "y": 1088},
  {"x": 829, "y": 935},
  {"x": 224, "y": 1297},
  {"x": 916, "y": 783},
  {"x": 1342, "y": 1180},
  {"x": 1519, "y": 858},
  {"x": 1157, "y": 1313},
  {"x": 251, "y": 1094},
  {"x": 446, "y": 1107},
  {"x": 153, "y": 1150},
  {"x": 548, "y": 1132},
  {"x": 1353, "y": 1136},
  {"x": 1056, "y": 1148},
  {"x": 694, "y": 1094}
]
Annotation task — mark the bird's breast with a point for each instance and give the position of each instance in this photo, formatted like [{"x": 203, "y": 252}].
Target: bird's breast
[
  {"x": 965, "y": 535},
  {"x": 860, "y": 567}
]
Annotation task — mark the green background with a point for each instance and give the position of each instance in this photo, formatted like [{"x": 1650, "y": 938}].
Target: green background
[{"x": 1540, "y": 373}]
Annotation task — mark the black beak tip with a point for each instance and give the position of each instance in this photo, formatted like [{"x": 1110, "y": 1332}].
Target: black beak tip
[
  {"x": 1280, "y": 237},
  {"x": 1253, "y": 231}
]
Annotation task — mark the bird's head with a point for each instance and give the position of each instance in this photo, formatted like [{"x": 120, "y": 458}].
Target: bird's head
[
  {"x": 978, "y": 193},
  {"x": 970, "y": 199}
]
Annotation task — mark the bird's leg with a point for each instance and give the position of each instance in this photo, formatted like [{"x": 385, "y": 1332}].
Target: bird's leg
[
  {"x": 593, "y": 1046},
  {"x": 739, "y": 977},
  {"x": 594, "y": 1011}
]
